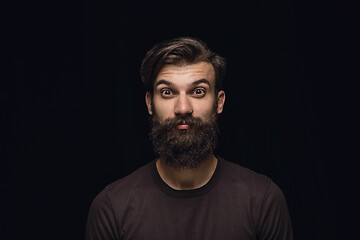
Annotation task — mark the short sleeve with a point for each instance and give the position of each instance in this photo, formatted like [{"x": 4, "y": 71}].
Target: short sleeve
[
  {"x": 274, "y": 219},
  {"x": 101, "y": 221}
]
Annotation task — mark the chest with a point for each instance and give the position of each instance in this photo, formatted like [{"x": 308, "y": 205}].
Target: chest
[{"x": 211, "y": 217}]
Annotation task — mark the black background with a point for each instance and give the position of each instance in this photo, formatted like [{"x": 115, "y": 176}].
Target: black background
[{"x": 78, "y": 121}]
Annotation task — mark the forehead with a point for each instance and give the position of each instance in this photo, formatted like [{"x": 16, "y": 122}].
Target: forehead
[{"x": 184, "y": 73}]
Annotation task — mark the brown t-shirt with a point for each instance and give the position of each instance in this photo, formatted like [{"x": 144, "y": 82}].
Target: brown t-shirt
[{"x": 236, "y": 203}]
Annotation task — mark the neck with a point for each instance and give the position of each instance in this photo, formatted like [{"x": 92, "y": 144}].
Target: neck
[{"x": 187, "y": 179}]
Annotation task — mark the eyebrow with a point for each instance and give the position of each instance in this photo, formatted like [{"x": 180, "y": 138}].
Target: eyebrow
[
  {"x": 203, "y": 80},
  {"x": 163, "y": 82},
  {"x": 168, "y": 83}
]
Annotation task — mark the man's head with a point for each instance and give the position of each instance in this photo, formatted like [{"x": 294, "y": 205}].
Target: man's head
[{"x": 184, "y": 100}]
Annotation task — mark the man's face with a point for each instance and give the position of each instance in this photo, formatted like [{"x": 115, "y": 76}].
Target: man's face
[
  {"x": 185, "y": 91},
  {"x": 183, "y": 108}
]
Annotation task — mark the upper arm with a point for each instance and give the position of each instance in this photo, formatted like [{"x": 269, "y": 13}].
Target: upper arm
[
  {"x": 274, "y": 219},
  {"x": 101, "y": 222}
]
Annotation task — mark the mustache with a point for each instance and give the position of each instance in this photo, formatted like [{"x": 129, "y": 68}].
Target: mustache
[{"x": 177, "y": 120}]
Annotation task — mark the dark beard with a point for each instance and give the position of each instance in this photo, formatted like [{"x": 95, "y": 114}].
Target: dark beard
[{"x": 184, "y": 148}]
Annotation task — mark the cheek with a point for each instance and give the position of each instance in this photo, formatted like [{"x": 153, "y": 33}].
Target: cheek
[
  {"x": 163, "y": 109},
  {"x": 204, "y": 109}
]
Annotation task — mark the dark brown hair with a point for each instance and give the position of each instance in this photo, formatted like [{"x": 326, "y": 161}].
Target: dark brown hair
[{"x": 180, "y": 51}]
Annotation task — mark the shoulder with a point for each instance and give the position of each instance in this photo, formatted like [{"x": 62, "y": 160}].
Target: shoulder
[
  {"x": 249, "y": 183},
  {"x": 139, "y": 180},
  {"x": 269, "y": 208},
  {"x": 245, "y": 178},
  {"x": 127, "y": 187}
]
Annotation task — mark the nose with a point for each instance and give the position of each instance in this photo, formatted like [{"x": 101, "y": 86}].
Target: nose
[{"x": 183, "y": 106}]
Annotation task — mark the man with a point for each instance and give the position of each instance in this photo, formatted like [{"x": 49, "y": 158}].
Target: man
[{"x": 188, "y": 192}]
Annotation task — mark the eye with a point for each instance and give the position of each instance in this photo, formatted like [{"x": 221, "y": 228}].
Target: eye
[
  {"x": 166, "y": 92},
  {"x": 199, "y": 92}
]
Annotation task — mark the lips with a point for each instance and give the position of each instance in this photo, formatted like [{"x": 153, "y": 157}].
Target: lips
[{"x": 183, "y": 126}]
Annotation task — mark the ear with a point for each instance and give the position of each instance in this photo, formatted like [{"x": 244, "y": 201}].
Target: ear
[
  {"x": 220, "y": 101},
  {"x": 148, "y": 100}
]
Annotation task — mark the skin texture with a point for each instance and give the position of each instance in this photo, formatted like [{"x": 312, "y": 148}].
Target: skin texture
[
  {"x": 180, "y": 91},
  {"x": 182, "y": 97}
]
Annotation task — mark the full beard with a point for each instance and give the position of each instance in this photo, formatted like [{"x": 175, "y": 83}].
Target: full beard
[{"x": 185, "y": 149}]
